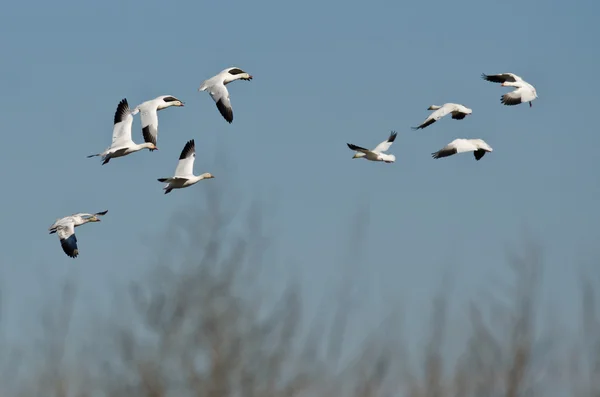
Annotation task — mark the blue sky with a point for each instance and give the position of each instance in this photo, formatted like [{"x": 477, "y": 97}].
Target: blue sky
[{"x": 325, "y": 73}]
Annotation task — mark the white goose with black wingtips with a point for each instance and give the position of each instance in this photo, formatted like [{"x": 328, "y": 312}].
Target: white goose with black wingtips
[
  {"x": 149, "y": 116},
  {"x": 184, "y": 173},
  {"x": 478, "y": 146},
  {"x": 376, "y": 154},
  {"x": 524, "y": 92},
  {"x": 216, "y": 87},
  {"x": 458, "y": 112},
  {"x": 122, "y": 144},
  {"x": 65, "y": 229}
]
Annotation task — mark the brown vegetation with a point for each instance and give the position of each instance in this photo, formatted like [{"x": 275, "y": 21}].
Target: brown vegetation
[{"x": 200, "y": 326}]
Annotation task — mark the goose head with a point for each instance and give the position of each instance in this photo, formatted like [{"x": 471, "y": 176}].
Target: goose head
[
  {"x": 166, "y": 101},
  {"x": 93, "y": 218},
  {"x": 235, "y": 73},
  {"x": 207, "y": 175}
]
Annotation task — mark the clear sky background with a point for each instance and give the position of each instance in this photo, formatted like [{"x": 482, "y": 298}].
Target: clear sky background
[{"x": 325, "y": 73}]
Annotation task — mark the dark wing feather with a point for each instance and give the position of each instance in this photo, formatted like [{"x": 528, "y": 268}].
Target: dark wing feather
[
  {"x": 510, "y": 100},
  {"x": 479, "y": 153},
  {"x": 235, "y": 71},
  {"x": 458, "y": 116},
  {"x": 356, "y": 148},
  {"x": 188, "y": 150},
  {"x": 445, "y": 152},
  {"x": 225, "y": 110},
  {"x": 149, "y": 137},
  {"x": 498, "y": 78},
  {"x": 101, "y": 213},
  {"x": 392, "y": 137},
  {"x": 69, "y": 246},
  {"x": 425, "y": 124},
  {"x": 122, "y": 111}
]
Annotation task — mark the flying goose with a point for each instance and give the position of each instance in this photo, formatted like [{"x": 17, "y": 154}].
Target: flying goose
[
  {"x": 525, "y": 92},
  {"x": 149, "y": 117},
  {"x": 458, "y": 111},
  {"x": 184, "y": 173},
  {"x": 216, "y": 87},
  {"x": 65, "y": 229},
  {"x": 122, "y": 145},
  {"x": 377, "y": 153},
  {"x": 477, "y": 146}
]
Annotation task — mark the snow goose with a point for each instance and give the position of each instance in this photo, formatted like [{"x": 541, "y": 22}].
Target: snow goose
[
  {"x": 184, "y": 173},
  {"x": 65, "y": 229},
  {"x": 377, "y": 153},
  {"x": 149, "y": 117},
  {"x": 122, "y": 144},
  {"x": 458, "y": 111},
  {"x": 216, "y": 87},
  {"x": 477, "y": 146},
  {"x": 525, "y": 92}
]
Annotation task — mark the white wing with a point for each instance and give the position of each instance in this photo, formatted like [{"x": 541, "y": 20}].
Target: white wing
[
  {"x": 436, "y": 115},
  {"x": 220, "y": 95},
  {"x": 454, "y": 147},
  {"x": 464, "y": 145},
  {"x": 514, "y": 97},
  {"x": 122, "y": 125},
  {"x": 67, "y": 238},
  {"x": 149, "y": 119},
  {"x": 185, "y": 166},
  {"x": 385, "y": 145}
]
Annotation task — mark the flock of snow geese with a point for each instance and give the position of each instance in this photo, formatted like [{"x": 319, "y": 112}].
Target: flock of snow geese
[{"x": 123, "y": 145}]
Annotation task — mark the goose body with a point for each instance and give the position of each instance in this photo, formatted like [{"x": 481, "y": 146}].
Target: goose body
[
  {"x": 216, "y": 87},
  {"x": 122, "y": 144},
  {"x": 149, "y": 115},
  {"x": 184, "y": 173},
  {"x": 65, "y": 229},
  {"x": 478, "y": 146},
  {"x": 376, "y": 154},
  {"x": 458, "y": 112},
  {"x": 524, "y": 91}
]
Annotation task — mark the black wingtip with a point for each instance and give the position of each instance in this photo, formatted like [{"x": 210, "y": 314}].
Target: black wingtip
[
  {"x": 102, "y": 212},
  {"x": 415, "y": 128},
  {"x": 122, "y": 111},
  {"x": 225, "y": 111},
  {"x": 188, "y": 149},
  {"x": 69, "y": 246},
  {"x": 392, "y": 137},
  {"x": 148, "y": 137},
  {"x": 354, "y": 147}
]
